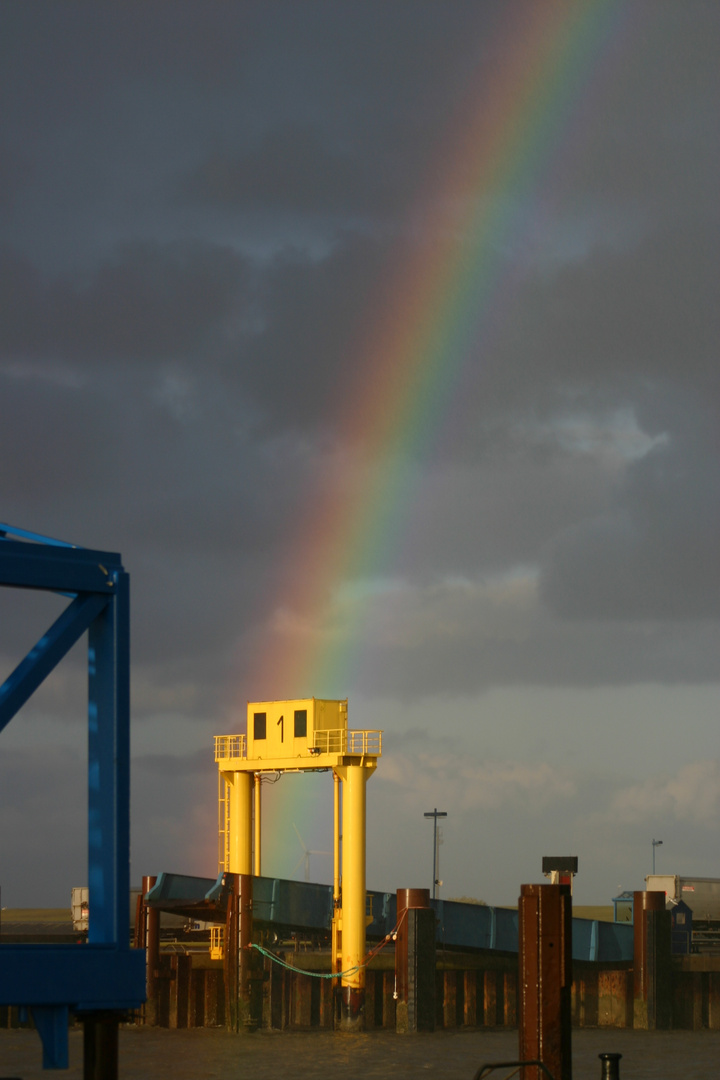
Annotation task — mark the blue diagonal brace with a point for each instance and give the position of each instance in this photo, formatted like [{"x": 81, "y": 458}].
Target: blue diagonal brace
[
  {"x": 49, "y": 651},
  {"x": 51, "y": 1023}
]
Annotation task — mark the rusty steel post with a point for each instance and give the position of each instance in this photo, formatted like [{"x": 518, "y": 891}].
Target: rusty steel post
[
  {"x": 545, "y": 975},
  {"x": 151, "y": 933},
  {"x": 406, "y": 899},
  {"x": 139, "y": 929},
  {"x": 230, "y": 957},
  {"x": 238, "y": 962},
  {"x": 415, "y": 962},
  {"x": 610, "y": 1066},
  {"x": 250, "y": 1003},
  {"x": 651, "y": 961}
]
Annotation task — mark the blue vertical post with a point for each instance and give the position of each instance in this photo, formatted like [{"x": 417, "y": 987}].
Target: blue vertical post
[{"x": 109, "y": 769}]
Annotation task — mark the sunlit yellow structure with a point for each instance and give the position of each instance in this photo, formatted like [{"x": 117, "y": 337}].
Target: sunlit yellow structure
[{"x": 305, "y": 735}]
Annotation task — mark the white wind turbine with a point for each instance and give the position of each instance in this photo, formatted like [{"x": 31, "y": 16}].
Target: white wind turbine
[{"x": 305, "y": 857}]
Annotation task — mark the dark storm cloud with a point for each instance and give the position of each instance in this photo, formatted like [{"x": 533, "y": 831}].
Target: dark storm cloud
[
  {"x": 291, "y": 168},
  {"x": 208, "y": 211},
  {"x": 654, "y": 554},
  {"x": 317, "y": 327},
  {"x": 174, "y": 362},
  {"x": 650, "y": 311},
  {"x": 538, "y": 651},
  {"x": 283, "y": 338},
  {"x": 43, "y": 836},
  {"x": 147, "y": 302},
  {"x": 199, "y": 764}
]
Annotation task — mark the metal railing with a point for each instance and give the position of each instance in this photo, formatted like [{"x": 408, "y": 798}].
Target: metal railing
[
  {"x": 336, "y": 741},
  {"x": 342, "y": 741},
  {"x": 230, "y": 746}
]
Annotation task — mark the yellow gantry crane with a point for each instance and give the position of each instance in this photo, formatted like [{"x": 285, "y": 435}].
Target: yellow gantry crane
[{"x": 305, "y": 735}]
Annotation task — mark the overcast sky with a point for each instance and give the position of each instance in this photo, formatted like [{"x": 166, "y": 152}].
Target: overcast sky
[{"x": 208, "y": 211}]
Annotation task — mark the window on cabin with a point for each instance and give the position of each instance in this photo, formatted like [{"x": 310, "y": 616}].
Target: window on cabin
[
  {"x": 260, "y": 725},
  {"x": 301, "y": 723}
]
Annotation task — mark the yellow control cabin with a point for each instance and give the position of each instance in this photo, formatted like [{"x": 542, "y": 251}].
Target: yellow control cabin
[{"x": 290, "y": 736}]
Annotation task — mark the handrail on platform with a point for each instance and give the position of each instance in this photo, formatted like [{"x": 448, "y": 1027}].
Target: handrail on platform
[
  {"x": 334, "y": 741},
  {"x": 342, "y": 741},
  {"x": 230, "y": 746}
]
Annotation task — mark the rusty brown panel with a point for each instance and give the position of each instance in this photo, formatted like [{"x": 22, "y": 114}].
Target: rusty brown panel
[
  {"x": 179, "y": 990},
  {"x": 587, "y": 999},
  {"x": 642, "y": 903},
  {"x": 301, "y": 1000},
  {"x": 326, "y": 1003},
  {"x": 450, "y": 999},
  {"x": 470, "y": 998},
  {"x": 529, "y": 976},
  {"x": 613, "y": 999},
  {"x": 713, "y": 1000},
  {"x": 510, "y": 999},
  {"x": 196, "y": 998},
  {"x": 490, "y": 998},
  {"x": 389, "y": 1001},
  {"x": 370, "y": 993},
  {"x": 545, "y": 979},
  {"x": 140, "y": 929}
]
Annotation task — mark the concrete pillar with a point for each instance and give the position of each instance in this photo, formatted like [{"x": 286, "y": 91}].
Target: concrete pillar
[
  {"x": 651, "y": 961},
  {"x": 545, "y": 979}
]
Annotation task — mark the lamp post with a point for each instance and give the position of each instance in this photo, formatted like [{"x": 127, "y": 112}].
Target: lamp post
[
  {"x": 435, "y": 814},
  {"x": 655, "y": 843}
]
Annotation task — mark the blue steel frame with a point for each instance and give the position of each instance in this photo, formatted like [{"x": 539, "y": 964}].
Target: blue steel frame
[{"x": 104, "y": 974}]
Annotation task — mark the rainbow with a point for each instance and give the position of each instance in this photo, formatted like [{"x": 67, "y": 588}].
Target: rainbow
[{"x": 519, "y": 130}]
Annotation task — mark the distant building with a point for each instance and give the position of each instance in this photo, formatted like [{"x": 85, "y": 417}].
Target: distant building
[{"x": 623, "y": 906}]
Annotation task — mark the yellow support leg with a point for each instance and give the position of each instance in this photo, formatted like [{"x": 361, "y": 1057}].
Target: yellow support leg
[
  {"x": 258, "y": 831},
  {"x": 354, "y": 777},
  {"x": 241, "y": 790},
  {"x": 336, "y": 840}
]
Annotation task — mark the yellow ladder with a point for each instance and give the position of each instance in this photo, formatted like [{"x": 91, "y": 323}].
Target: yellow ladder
[{"x": 223, "y": 823}]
